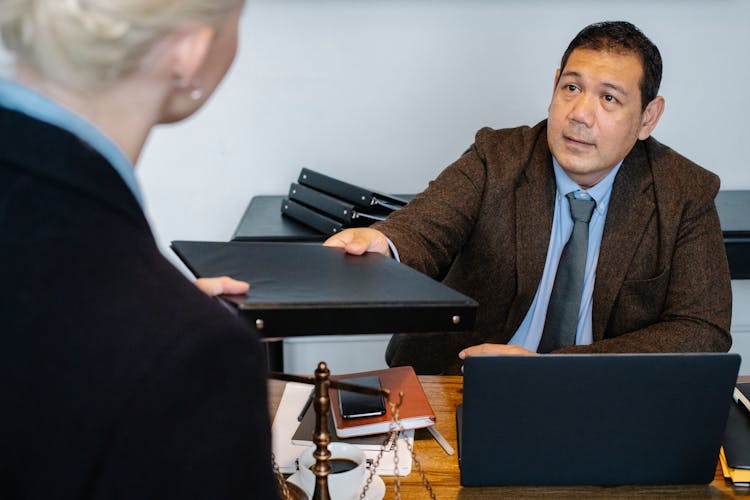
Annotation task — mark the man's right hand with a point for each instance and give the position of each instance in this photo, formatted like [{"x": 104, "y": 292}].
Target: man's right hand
[{"x": 357, "y": 241}]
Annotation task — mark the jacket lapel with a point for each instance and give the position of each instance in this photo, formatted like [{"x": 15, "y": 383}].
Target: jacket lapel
[
  {"x": 630, "y": 208},
  {"x": 534, "y": 208}
]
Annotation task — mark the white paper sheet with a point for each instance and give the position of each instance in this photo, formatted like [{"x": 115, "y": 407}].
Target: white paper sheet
[{"x": 285, "y": 423}]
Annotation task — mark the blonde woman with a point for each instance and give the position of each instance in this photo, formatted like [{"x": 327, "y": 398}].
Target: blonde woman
[{"x": 119, "y": 378}]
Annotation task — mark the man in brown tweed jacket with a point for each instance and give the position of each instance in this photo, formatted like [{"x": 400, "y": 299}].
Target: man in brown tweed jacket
[{"x": 489, "y": 225}]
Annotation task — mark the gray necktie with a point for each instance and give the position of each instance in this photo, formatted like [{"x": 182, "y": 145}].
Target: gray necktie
[{"x": 565, "y": 299}]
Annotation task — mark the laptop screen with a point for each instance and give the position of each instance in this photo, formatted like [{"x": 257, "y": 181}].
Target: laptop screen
[{"x": 594, "y": 419}]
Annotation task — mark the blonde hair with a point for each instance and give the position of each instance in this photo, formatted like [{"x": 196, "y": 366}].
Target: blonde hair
[{"x": 90, "y": 44}]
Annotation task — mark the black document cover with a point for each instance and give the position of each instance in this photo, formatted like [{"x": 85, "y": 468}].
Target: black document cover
[
  {"x": 737, "y": 434},
  {"x": 341, "y": 210},
  {"x": 350, "y": 192},
  {"x": 308, "y": 289}
]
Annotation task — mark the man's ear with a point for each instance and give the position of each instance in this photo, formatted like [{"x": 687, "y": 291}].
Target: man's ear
[
  {"x": 650, "y": 117},
  {"x": 554, "y": 88},
  {"x": 189, "y": 50}
]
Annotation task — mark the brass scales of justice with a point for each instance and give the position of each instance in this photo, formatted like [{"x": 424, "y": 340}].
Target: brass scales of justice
[{"x": 321, "y": 437}]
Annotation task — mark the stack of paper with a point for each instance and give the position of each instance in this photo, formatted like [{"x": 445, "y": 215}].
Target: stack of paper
[{"x": 286, "y": 451}]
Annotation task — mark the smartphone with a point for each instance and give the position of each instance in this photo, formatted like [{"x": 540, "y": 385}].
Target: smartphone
[{"x": 355, "y": 405}]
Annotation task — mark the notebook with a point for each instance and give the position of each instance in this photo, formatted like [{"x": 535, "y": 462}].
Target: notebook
[
  {"x": 415, "y": 412},
  {"x": 601, "y": 419}
]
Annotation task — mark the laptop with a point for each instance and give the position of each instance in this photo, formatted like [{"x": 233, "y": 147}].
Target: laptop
[{"x": 600, "y": 419}]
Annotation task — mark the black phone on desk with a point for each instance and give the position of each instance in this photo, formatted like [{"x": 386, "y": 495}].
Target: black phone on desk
[{"x": 354, "y": 404}]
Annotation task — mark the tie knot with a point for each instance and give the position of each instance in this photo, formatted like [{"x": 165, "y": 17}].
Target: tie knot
[{"x": 580, "y": 210}]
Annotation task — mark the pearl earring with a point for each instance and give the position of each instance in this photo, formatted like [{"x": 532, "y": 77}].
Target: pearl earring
[{"x": 197, "y": 92}]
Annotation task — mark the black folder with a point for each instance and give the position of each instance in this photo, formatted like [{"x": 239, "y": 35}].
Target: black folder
[
  {"x": 308, "y": 289},
  {"x": 262, "y": 221},
  {"x": 358, "y": 195},
  {"x": 303, "y": 434},
  {"x": 348, "y": 213},
  {"x": 734, "y": 207},
  {"x": 737, "y": 434},
  {"x": 310, "y": 217}
]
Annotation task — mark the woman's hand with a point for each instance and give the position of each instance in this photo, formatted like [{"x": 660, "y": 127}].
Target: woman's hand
[{"x": 223, "y": 285}]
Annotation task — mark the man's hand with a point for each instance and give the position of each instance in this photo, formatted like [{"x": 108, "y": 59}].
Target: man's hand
[
  {"x": 357, "y": 241},
  {"x": 221, "y": 285},
  {"x": 494, "y": 350}
]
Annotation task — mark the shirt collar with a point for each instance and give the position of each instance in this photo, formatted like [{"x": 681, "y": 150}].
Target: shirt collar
[
  {"x": 16, "y": 97},
  {"x": 600, "y": 192}
]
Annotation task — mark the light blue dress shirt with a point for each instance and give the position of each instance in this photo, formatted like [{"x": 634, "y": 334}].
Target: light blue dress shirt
[
  {"x": 530, "y": 331},
  {"x": 19, "y": 98}
]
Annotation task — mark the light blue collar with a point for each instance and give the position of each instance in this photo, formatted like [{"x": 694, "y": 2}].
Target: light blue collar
[
  {"x": 599, "y": 192},
  {"x": 16, "y": 97}
]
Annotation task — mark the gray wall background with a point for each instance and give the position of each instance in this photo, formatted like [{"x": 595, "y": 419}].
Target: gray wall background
[{"x": 386, "y": 93}]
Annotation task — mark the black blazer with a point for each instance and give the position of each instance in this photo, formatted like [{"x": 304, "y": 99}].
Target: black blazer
[{"x": 118, "y": 378}]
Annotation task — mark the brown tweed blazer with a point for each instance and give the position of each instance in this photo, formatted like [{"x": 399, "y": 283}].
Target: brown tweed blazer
[{"x": 483, "y": 227}]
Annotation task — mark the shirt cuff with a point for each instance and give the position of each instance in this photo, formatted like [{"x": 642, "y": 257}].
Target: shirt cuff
[{"x": 394, "y": 252}]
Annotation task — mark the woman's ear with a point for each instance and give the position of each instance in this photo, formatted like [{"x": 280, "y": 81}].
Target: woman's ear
[{"x": 188, "y": 52}]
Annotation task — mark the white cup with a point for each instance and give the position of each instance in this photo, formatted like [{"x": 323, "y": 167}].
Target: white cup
[{"x": 341, "y": 485}]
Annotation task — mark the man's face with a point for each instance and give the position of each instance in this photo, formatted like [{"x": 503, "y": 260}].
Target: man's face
[{"x": 595, "y": 115}]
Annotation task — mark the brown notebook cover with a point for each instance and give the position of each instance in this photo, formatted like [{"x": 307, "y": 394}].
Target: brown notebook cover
[{"x": 415, "y": 412}]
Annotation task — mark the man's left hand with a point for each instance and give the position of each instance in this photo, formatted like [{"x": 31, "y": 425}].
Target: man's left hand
[{"x": 494, "y": 350}]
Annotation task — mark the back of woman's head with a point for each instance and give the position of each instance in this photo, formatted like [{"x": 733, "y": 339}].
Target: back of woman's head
[{"x": 90, "y": 44}]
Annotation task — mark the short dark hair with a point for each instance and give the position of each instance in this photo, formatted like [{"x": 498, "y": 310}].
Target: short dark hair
[{"x": 622, "y": 36}]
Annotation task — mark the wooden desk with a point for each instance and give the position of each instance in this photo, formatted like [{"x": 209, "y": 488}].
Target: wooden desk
[{"x": 442, "y": 471}]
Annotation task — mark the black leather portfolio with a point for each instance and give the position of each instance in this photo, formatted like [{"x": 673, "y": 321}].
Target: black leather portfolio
[
  {"x": 308, "y": 289},
  {"x": 350, "y": 192}
]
